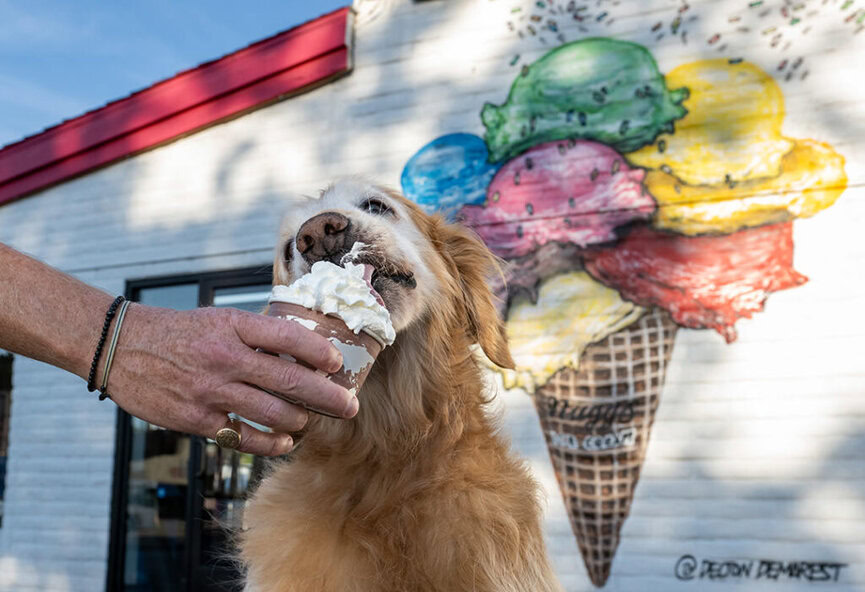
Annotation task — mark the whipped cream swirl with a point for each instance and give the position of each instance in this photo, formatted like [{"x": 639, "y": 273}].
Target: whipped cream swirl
[{"x": 342, "y": 292}]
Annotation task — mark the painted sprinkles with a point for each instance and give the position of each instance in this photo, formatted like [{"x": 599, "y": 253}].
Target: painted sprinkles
[{"x": 778, "y": 25}]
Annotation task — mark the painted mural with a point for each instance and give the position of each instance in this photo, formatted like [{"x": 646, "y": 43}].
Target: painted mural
[{"x": 627, "y": 203}]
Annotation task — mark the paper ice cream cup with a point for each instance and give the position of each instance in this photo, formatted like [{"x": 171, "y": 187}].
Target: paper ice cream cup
[{"x": 359, "y": 350}]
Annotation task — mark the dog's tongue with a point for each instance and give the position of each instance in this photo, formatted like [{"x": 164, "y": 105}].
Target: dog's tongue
[
  {"x": 367, "y": 272},
  {"x": 367, "y": 276}
]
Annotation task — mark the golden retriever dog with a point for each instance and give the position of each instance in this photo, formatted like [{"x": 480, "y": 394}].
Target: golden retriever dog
[{"x": 418, "y": 492}]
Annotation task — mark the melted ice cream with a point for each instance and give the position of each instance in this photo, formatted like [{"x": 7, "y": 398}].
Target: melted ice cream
[{"x": 355, "y": 358}]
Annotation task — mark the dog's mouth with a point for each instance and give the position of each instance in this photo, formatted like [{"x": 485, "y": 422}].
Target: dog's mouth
[
  {"x": 403, "y": 278},
  {"x": 381, "y": 274}
]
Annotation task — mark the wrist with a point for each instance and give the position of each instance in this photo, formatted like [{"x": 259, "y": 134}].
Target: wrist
[
  {"x": 76, "y": 354},
  {"x": 104, "y": 352},
  {"x": 136, "y": 339}
]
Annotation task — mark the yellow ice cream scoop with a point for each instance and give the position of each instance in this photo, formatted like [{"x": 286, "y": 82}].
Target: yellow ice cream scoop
[
  {"x": 732, "y": 131},
  {"x": 811, "y": 179},
  {"x": 572, "y": 311}
]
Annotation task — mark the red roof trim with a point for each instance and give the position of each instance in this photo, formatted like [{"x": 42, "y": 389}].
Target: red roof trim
[{"x": 287, "y": 63}]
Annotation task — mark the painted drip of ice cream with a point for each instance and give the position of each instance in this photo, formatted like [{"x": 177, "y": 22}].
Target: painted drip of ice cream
[{"x": 344, "y": 292}]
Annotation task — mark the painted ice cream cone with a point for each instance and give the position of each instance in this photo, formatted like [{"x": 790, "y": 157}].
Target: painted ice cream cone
[
  {"x": 625, "y": 202},
  {"x": 597, "y": 420}
]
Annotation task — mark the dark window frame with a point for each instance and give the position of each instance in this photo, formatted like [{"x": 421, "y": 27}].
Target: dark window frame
[
  {"x": 207, "y": 282},
  {"x": 6, "y": 365}
]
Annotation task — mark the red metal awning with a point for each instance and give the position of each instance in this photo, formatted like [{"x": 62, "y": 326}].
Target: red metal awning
[{"x": 286, "y": 64}]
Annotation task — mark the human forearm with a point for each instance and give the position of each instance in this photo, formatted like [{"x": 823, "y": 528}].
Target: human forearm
[
  {"x": 183, "y": 370},
  {"x": 36, "y": 300}
]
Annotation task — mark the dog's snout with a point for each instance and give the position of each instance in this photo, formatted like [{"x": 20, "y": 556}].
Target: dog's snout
[{"x": 323, "y": 236}]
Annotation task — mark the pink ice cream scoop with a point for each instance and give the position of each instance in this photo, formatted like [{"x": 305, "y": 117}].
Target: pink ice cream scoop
[{"x": 575, "y": 192}]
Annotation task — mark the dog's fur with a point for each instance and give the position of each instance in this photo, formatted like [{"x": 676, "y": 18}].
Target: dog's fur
[{"x": 418, "y": 492}]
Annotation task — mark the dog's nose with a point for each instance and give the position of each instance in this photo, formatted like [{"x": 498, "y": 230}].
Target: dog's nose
[{"x": 322, "y": 237}]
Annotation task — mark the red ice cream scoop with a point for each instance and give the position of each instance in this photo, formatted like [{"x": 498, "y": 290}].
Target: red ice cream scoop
[
  {"x": 705, "y": 281},
  {"x": 574, "y": 192}
]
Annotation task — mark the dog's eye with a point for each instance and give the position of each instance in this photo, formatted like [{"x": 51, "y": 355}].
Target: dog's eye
[
  {"x": 286, "y": 253},
  {"x": 376, "y": 207}
]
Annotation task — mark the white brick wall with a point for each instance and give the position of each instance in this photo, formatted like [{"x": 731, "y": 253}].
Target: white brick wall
[{"x": 757, "y": 448}]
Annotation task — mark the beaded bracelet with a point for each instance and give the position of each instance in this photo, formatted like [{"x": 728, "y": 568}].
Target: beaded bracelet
[
  {"x": 109, "y": 357},
  {"x": 91, "y": 378}
]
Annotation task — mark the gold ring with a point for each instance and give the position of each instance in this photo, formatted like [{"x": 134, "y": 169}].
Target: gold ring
[{"x": 228, "y": 437}]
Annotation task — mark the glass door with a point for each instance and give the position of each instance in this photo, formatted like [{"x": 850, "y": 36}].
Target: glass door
[
  {"x": 225, "y": 476},
  {"x": 158, "y": 484},
  {"x": 174, "y": 493}
]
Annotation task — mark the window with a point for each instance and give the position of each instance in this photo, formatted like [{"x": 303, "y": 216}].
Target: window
[
  {"x": 5, "y": 407},
  {"x": 172, "y": 491}
]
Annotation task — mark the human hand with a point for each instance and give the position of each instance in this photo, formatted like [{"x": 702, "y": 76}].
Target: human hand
[{"x": 186, "y": 370}]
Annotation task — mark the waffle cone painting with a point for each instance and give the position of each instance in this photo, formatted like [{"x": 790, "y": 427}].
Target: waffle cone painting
[{"x": 629, "y": 203}]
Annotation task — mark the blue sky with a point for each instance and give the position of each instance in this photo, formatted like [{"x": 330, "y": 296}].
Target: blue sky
[{"x": 59, "y": 59}]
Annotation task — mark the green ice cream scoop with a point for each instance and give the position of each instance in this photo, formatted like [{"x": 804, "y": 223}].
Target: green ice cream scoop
[{"x": 597, "y": 89}]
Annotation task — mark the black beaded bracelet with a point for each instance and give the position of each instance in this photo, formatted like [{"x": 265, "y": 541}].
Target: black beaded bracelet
[{"x": 112, "y": 310}]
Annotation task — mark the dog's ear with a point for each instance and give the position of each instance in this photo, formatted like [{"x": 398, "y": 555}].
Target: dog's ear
[{"x": 475, "y": 264}]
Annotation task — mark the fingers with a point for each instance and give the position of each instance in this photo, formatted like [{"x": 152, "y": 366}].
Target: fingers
[
  {"x": 287, "y": 337},
  {"x": 297, "y": 383},
  {"x": 265, "y": 409},
  {"x": 255, "y": 441}
]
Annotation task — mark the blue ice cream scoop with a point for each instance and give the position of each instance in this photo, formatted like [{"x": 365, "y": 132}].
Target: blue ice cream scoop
[{"x": 448, "y": 173}]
